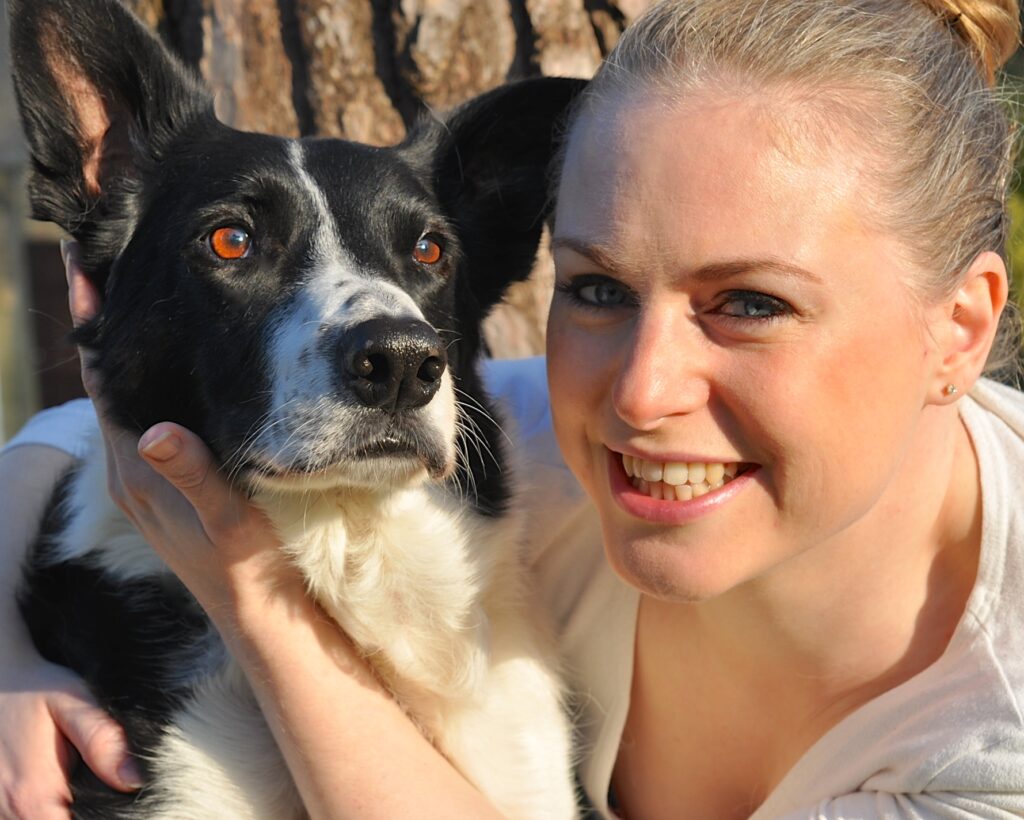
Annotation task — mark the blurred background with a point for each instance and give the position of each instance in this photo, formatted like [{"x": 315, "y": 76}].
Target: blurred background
[{"x": 359, "y": 69}]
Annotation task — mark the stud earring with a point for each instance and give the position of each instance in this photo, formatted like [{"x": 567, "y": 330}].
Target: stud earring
[{"x": 950, "y": 390}]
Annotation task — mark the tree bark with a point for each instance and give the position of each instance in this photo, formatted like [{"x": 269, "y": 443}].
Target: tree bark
[{"x": 367, "y": 69}]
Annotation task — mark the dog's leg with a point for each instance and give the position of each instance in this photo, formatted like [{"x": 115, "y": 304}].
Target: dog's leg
[{"x": 220, "y": 760}]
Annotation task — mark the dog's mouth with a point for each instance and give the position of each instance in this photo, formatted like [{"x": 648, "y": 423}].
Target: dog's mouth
[{"x": 388, "y": 460}]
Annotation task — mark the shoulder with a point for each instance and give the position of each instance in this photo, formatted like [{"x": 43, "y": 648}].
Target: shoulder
[
  {"x": 520, "y": 387},
  {"x": 69, "y": 427}
]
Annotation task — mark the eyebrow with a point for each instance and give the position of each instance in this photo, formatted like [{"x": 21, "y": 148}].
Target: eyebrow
[{"x": 705, "y": 273}]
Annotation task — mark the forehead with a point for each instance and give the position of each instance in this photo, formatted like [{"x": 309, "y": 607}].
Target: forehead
[
  {"x": 356, "y": 180},
  {"x": 702, "y": 178}
]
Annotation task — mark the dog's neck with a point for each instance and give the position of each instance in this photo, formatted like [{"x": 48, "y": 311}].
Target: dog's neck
[{"x": 405, "y": 573}]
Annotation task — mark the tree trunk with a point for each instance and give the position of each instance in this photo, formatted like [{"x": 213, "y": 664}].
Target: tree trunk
[{"x": 367, "y": 69}]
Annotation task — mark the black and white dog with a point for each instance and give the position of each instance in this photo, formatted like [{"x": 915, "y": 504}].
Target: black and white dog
[{"x": 312, "y": 309}]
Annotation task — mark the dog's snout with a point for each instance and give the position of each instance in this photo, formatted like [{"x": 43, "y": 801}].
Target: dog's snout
[{"x": 393, "y": 364}]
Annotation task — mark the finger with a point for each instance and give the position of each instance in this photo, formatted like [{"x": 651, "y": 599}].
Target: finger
[
  {"x": 186, "y": 462},
  {"x": 99, "y": 739},
  {"x": 83, "y": 298}
]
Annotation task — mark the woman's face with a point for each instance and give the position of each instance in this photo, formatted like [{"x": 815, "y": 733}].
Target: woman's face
[{"x": 721, "y": 303}]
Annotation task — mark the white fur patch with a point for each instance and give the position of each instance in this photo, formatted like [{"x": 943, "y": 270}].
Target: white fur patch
[
  {"x": 220, "y": 760},
  {"x": 95, "y": 525}
]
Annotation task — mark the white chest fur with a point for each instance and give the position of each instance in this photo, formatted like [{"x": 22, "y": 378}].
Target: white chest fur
[{"x": 433, "y": 594}]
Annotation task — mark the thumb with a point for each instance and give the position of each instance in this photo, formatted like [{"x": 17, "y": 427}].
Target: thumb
[
  {"x": 182, "y": 458},
  {"x": 99, "y": 739}
]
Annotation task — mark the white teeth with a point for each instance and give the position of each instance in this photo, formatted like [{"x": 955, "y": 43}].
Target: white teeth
[
  {"x": 676, "y": 479},
  {"x": 676, "y": 473},
  {"x": 651, "y": 470}
]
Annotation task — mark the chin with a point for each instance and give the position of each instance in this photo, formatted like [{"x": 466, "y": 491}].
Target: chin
[{"x": 675, "y": 570}]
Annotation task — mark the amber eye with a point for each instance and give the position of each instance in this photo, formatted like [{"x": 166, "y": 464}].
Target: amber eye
[
  {"x": 427, "y": 250},
  {"x": 230, "y": 243}
]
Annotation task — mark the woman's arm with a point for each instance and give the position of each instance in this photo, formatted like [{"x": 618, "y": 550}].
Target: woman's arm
[{"x": 43, "y": 707}]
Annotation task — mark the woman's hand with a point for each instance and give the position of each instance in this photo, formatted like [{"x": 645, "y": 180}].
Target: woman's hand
[{"x": 43, "y": 709}]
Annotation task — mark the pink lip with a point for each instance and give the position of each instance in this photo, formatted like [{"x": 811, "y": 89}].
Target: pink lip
[{"x": 669, "y": 512}]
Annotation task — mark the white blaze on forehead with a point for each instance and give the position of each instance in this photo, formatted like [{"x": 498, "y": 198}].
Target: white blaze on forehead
[{"x": 325, "y": 242}]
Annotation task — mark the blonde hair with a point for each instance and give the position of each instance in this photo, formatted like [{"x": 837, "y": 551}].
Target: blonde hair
[{"x": 912, "y": 80}]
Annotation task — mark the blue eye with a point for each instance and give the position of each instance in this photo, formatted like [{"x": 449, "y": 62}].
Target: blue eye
[
  {"x": 599, "y": 292},
  {"x": 753, "y": 306}
]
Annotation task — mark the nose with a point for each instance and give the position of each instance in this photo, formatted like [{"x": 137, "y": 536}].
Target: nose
[
  {"x": 392, "y": 364},
  {"x": 663, "y": 371}
]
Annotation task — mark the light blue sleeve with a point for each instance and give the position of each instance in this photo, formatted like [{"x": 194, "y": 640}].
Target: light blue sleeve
[
  {"x": 68, "y": 427},
  {"x": 521, "y": 388}
]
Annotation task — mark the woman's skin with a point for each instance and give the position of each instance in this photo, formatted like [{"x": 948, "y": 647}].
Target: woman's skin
[
  {"x": 837, "y": 570},
  {"x": 720, "y": 298}
]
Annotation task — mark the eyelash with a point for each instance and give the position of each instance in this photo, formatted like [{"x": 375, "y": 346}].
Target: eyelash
[
  {"x": 772, "y": 309},
  {"x": 775, "y": 308},
  {"x": 574, "y": 288}
]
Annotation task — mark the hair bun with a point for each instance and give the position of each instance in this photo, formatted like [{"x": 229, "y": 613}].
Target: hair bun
[{"x": 990, "y": 27}]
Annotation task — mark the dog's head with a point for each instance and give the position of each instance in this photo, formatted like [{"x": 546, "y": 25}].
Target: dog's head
[{"x": 311, "y": 307}]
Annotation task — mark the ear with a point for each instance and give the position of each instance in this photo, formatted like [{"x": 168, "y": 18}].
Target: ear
[
  {"x": 491, "y": 161},
  {"x": 100, "y": 98},
  {"x": 968, "y": 327}
]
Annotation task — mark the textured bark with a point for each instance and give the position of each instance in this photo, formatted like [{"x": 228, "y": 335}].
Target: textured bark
[{"x": 367, "y": 69}]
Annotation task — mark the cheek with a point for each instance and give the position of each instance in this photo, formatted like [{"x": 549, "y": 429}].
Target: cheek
[
  {"x": 574, "y": 382},
  {"x": 838, "y": 420}
]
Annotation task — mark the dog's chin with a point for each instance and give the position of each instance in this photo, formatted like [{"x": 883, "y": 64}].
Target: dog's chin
[{"x": 369, "y": 471}]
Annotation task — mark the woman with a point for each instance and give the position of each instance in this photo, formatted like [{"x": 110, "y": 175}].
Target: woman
[{"x": 777, "y": 242}]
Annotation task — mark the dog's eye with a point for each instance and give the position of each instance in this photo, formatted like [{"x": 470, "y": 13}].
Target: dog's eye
[
  {"x": 428, "y": 250},
  {"x": 230, "y": 243}
]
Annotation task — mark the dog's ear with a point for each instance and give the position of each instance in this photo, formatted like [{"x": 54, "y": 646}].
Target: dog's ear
[
  {"x": 491, "y": 167},
  {"x": 100, "y": 98}
]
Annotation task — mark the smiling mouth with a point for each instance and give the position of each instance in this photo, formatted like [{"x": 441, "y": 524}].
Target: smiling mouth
[{"x": 679, "y": 480}]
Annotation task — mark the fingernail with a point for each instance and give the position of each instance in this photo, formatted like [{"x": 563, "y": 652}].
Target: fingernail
[
  {"x": 160, "y": 447},
  {"x": 129, "y": 773}
]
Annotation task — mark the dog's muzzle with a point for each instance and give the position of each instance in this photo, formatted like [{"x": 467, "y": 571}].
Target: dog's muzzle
[{"x": 392, "y": 364}]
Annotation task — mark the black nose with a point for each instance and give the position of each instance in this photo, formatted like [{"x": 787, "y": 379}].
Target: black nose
[{"x": 393, "y": 364}]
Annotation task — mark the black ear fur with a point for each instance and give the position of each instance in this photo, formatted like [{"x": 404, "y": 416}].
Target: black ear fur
[
  {"x": 491, "y": 163},
  {"x": 100, "y": 99}
]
